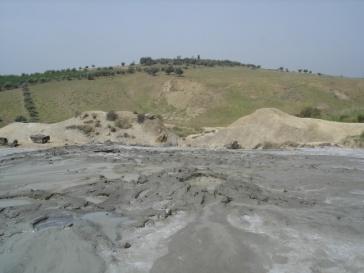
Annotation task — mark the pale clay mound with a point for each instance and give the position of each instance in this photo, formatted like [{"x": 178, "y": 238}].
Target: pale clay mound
[
  {"x": 269, "y": 127},
  {"x": 265, "y": 128},
  {"x": 93, "y": 127}
]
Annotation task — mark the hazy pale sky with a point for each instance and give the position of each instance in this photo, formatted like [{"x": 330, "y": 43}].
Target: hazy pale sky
[{"x": 322, "y": 35}]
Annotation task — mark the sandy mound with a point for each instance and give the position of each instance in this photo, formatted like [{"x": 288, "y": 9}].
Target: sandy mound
[
  {"x": 269, "y": 127},
  {"x": 94, "y": 127},
  {"x": 265, "y": 128}
]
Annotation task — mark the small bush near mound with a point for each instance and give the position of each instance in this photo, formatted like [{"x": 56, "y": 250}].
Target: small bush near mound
[
  {"x": 20, "y": 119},
  {"x": 141, "y": 118},
  {"x": 310, "y": 112},
  {"x": 353, "y": 116},
  {"x": 360, "y": 119},
  {"x": 98, "y": 123},
  {"x": 111, "y": 116},
  {"x": 123, "y": 123},
  {"x": 86, "y": 129},
  {"x": 355, "y": 141}
]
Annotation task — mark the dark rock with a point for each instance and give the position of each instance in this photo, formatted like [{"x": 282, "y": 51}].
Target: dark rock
[
  {"x": 14, "y": 144},
  {"x": 253, "y": 195},
  {"x": 140, "y": 118},
  {"x": 144, "y": 223},
  {"x": 234, "y": 145},
  {"x": 226, "y": 200},
  {"x": 142, "y": 179},
  {"x": 162, "y": 138},
  {"x": 166, "y": 214},
  {"x": 3, "y": 141},
  {"x": 39, "y": 138},
  {"x": 127, "y": 245}
]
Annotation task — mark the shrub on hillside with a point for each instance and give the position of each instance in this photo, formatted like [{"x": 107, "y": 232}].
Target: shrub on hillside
[
  {"x": 169, "y": 70},
  {"x": 123, "y": 123},
  {"x": 131, "y": 70},
  {"x": 360, "y": 118},
  {"x": 111, "y": 116},
  {"x": 112, "y": 129},
  {"x": 20, "y": 119},
  {"x": 152, "y": 70},
  {"x": 178, "y": 71},
  {"x": 310, "y": 112}
]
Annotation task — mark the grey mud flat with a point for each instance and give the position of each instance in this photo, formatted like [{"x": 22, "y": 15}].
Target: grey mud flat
[{"x": 100, "y": 208}]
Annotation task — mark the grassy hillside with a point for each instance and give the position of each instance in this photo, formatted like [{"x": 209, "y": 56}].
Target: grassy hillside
[
  {"x": 202, "y": 97},
  {"x": 11, "y": 105}
]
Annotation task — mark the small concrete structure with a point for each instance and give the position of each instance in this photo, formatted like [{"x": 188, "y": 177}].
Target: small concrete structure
[
  {"x": 41, "y": 139},
  {"x": 3, "y": 141}
]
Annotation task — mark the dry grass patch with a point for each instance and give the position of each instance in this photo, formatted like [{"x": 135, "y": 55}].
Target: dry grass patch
[{"x": 86, "y": 129}]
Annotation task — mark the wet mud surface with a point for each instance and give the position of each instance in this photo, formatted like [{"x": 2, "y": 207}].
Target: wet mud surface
[{"x": 101, "y": 208}]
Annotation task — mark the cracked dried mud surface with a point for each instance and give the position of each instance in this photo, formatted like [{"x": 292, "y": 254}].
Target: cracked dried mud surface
[{"x": 99, "y": 208}]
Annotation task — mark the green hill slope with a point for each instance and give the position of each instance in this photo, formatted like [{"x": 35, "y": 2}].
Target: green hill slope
[{"x": 213, "y": 96}]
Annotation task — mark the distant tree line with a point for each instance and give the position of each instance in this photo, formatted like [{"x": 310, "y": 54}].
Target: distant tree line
[
  {"x": 148, "y": 61},
  {"x": 8, "y": 82},
  {"x": 153, "y": 70},
  {"x": 282, "y": 69},
  {"x": 301, "y": 70},
  {"x": 305, "y": 71}
]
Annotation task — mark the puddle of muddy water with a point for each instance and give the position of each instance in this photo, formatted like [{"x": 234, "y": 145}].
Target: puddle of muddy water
[
  {"x": 96, "y": 199},
  {"x": 58, "y": 176},
  {"x": 10, "y": 151},
  {"x": 60, "y": 221},
  {"x": 14, "y": 202}
]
